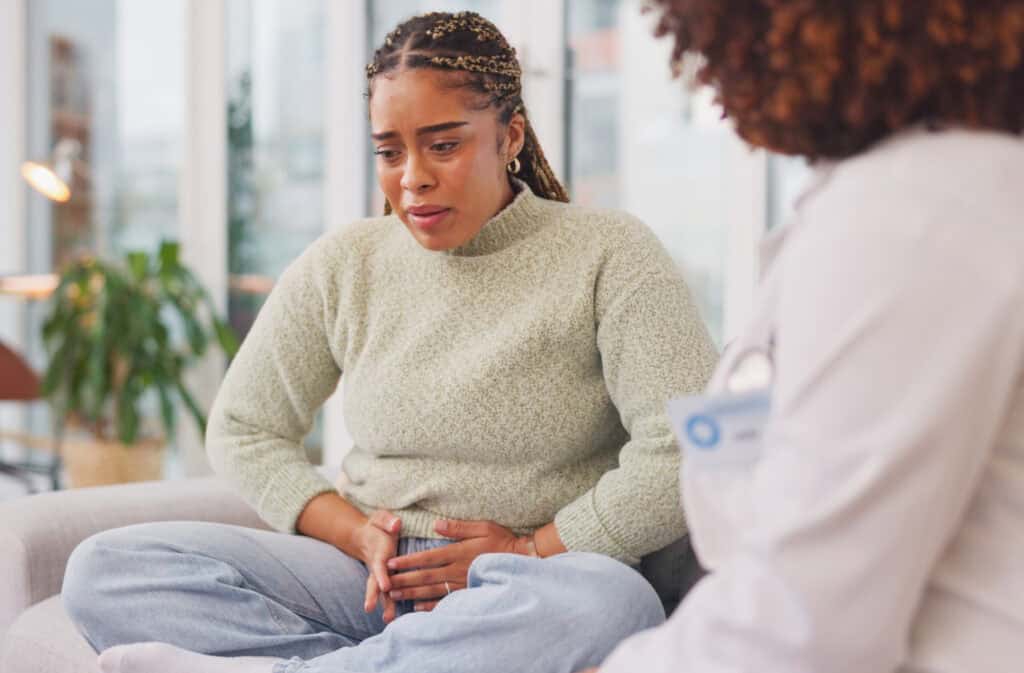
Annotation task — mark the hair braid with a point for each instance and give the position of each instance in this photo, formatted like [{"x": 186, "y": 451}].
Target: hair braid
[{"x": 468, "y": 43}]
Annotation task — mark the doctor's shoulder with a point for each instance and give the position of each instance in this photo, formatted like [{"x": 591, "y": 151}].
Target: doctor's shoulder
[{"x": 920, "y": 192}]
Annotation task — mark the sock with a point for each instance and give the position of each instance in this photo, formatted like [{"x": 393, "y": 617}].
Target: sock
[{"x": 164, "y": 658}]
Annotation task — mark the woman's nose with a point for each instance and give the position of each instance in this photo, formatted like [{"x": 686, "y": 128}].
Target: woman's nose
[{"x": 416, "y": 177}]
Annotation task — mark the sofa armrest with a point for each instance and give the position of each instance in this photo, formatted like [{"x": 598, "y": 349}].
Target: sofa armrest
[{"x": 39, "y": 532}]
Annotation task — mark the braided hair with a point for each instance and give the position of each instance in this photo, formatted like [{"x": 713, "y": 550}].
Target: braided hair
[{"x": 468, "y": 44}]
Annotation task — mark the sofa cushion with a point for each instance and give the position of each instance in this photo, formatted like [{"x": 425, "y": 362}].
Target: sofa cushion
[{"x": 43, "y": 640}]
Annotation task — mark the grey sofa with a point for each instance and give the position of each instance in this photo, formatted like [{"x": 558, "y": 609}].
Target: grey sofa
[{"x": 38, "y": 533}]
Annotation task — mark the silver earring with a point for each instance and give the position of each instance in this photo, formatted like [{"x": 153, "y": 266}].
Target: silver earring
[{"x": 514, "y": 166}]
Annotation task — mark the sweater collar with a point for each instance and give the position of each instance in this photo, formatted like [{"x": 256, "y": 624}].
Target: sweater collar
[{"x": 516, "y": 221}]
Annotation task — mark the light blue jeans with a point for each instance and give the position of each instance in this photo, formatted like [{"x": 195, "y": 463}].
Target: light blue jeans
[{"x": 234, "y": 591}]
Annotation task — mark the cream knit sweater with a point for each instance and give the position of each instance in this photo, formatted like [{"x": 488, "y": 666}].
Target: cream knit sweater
[{"x": 521, "y": 378}]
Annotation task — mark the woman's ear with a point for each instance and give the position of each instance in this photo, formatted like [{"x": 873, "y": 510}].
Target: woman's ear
[{"x": 515, "y": 136}]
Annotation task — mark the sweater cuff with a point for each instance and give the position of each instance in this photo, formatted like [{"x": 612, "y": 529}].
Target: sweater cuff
[
  {"x": 581, "y": 529},
  {"x": 288, "y": 493}
]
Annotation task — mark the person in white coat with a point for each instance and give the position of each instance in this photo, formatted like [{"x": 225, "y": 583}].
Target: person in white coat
[{"x": 853, "y": 478}]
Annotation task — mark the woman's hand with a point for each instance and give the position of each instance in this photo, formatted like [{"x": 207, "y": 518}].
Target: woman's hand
[
  {"x": 377, "y": 543},
  {"x": 423, "y": 576}
]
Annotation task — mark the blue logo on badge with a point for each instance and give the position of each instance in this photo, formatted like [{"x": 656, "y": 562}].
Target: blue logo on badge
[{"x": 703, "y": 431}]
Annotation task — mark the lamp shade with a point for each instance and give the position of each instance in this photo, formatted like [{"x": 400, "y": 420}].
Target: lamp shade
[{"x": 53, "y": 179}]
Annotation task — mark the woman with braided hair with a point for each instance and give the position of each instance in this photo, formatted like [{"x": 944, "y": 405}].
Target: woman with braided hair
[{"x": 506, "y": 358}]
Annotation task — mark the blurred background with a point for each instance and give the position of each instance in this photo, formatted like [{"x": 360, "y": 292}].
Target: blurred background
[{"x": 238, "y": 128}]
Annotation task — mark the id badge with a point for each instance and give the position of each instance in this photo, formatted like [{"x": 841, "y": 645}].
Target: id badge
[
  {"x": 721, "y": 429},
  {"x": 721, "y": 439}
]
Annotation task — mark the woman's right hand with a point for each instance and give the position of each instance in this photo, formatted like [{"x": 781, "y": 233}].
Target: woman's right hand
[{"x": 377, "y": 541}]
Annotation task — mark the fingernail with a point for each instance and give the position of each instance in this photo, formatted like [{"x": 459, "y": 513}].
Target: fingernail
[
  {"x": 396, "y": 594},
  {"x": 392, "y": 564},
  {"x": 442, "y": 524}
]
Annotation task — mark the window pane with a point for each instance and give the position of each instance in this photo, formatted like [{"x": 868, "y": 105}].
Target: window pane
[
  {"x": 105, "y": 78},
  {"x": 642, "y": 142},
  {"x": 275, "y": 85},
  {"x": 275, "y": 80},
  {"x": 386, "y": 14},
  {"x": 107, "y": 75}
]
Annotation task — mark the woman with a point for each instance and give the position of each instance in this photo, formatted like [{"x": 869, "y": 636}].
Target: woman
[
  {"x": 878, "y": 523},
  {"x": 506, "y": 359}
]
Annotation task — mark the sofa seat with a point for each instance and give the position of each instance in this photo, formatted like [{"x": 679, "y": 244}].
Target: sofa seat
[{"x": 43, "y": 640}]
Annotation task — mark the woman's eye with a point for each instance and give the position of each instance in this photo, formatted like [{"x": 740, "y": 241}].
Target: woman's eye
[
  {"x": 386, "y": 154},
  {"x": 444, "y": 147}
]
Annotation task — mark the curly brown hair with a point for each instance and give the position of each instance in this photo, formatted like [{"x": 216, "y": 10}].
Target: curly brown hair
[{"x": 829, "y": 78}]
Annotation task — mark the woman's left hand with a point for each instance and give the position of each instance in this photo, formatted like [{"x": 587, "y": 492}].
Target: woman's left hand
[{"x": 422, "y": 576}]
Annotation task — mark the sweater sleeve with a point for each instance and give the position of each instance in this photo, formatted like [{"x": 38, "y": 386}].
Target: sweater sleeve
[
  {"x": 279, "y": 379},
  {"x": 653, "y": 346}
]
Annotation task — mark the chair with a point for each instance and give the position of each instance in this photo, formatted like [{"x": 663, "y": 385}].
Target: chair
[{"x": 18, "y": 383}]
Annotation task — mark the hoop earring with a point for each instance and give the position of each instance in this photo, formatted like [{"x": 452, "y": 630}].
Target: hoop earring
[{"x": 514, "y": 166}]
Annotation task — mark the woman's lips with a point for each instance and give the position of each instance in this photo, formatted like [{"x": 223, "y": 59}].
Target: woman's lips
[{"x": 428, "y": 219}]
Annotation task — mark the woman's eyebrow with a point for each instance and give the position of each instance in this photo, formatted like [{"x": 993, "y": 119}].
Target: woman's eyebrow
[{"x": 423, "y": 130}]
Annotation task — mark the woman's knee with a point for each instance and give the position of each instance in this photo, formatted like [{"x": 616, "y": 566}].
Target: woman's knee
[
  {"x": 607, "y": 587},
  {"x": 604, "y": 597},
  {"x": 104, "y": 571},
  {"x": 88, "y": 576}
]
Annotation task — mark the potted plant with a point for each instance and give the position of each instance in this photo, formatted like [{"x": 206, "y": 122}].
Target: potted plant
[{"x": 120, "y": 339}]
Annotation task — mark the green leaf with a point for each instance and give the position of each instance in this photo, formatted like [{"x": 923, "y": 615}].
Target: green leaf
[
  {"x": 99, "y": 363},
  {"x": 128, "y": 415},
  {"x": 138, "y": 263},
  {"x": 167, "y": 414},
  {"x": 54, "y": 374},
  {"x": 169, "y": 254},
  {"x": 226, "y": 337}
]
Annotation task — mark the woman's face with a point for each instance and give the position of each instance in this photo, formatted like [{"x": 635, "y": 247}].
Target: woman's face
[{"x": 440, "y": 162}]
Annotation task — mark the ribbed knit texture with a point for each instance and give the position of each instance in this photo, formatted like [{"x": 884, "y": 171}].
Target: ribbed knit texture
[{"x": 521, "y": 378}]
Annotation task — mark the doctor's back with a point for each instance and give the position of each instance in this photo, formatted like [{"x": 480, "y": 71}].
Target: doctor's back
[{"x": 879, "y": 524}]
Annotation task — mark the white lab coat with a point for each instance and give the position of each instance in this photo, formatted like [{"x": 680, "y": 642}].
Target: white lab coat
[{"x": 884, "y": 520}]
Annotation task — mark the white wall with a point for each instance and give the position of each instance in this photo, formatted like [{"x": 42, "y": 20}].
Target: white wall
[
  {"x": 203, "y": 196},
  {"x": 12, "y": 189},
  {"x": 12, "y": 153}
]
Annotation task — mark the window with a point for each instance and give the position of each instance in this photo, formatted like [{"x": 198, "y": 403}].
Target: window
[
  {"x": 641, "y": 142},
  {"x": 107, "y": 75},
  {"x": 105, "y": 78},
  {"x": 275, "y": 115},
  {"x": 275, "y": 81}
]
